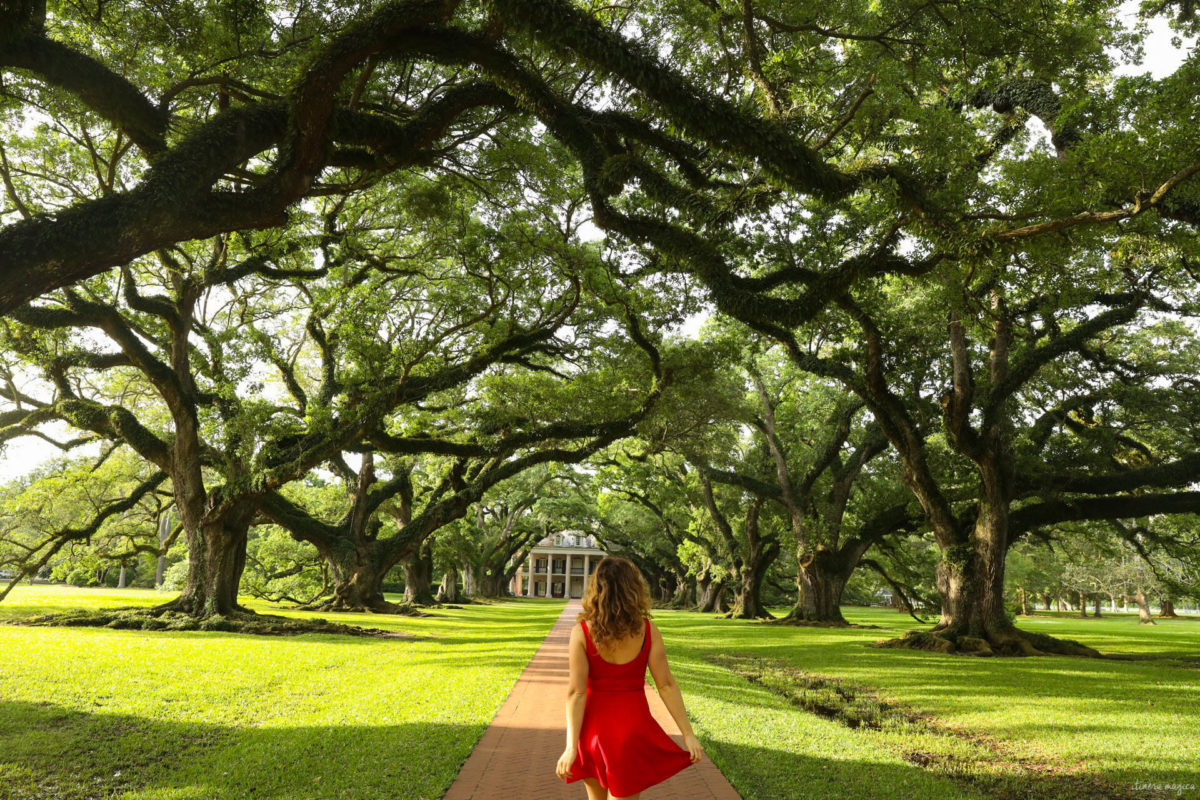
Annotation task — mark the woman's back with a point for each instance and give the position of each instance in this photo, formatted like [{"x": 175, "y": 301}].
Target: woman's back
[
  {"x": 620, "y": 668},
  {"x": 624, "y": 650}
]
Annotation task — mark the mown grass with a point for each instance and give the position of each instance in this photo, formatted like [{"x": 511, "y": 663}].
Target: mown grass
[
  {"x": 1025, "y": 727},
  {"x": 99, "y": 713}
]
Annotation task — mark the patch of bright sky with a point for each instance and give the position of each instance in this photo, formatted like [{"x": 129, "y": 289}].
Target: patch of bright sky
[{"x": 1161, "y": 59}]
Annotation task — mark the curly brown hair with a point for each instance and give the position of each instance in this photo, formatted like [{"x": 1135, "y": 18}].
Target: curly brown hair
[{"x": 616, "y": 604}]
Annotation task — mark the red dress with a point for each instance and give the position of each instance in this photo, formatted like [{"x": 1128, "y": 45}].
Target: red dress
[{"x": 620, "y": 743}]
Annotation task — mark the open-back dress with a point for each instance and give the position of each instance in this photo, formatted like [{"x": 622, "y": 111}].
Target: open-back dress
[{"x": 620, "y": 742}]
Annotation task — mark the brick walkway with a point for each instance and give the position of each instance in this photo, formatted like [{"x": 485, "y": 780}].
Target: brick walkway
[{"x": 515, "y": 758}]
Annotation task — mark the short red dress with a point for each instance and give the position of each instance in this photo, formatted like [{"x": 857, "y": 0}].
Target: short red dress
[{"x": 620, "y": 743}]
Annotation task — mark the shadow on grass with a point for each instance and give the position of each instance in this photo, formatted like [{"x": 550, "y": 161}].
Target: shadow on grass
[
  {"x": 47, "y": 751},
  {"x": 765, "y": 773},
  {"x": 945, "y": 761}
]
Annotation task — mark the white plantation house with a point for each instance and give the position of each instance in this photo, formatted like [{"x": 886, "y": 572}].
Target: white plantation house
[{"x": 558, "y": 566}]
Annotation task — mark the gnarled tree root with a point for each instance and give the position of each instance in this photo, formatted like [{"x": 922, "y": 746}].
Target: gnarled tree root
[
  {"x": 335, "y": 606},
  {"x": 737, "y": 612},
  {"x": 814, "y": 623},
  {"x": 818, "y": 623},
  {"x": 796, "y": 617},
  {"x": 1007, "y": 643},
  {"x": 158, "y": 619}
]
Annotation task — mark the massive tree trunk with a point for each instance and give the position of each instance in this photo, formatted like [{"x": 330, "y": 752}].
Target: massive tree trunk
[
  {"x": 970, "y": 572},
  {"x": 666, "y": 588},
  {"x": 215, "y": 522},
  {"x": 745, "y": 575},
  {"x": 1082, "y": 606},
  {"x": 970, "y": 577},
  {"x": 216, "y": 559},
  {"x": 712, "y": 595},
  {"x": 358, "y": 570},
  {"x": 448, "y": 590},
  {"x": 468, "y": 577},
  {"x": 970, "y": 580},
  {"x": 685, "y": 591},
  {"x": 359, "y": 588},
  {"x": 821, "y": 581},
  {"x": 418, "y": 576},
  {"x": 1096, "y": 602},
  {"x": 493, "y": 583},
  {"x": 1167, "y": 610},
  {"x": 822, "y": 577},
  {"x": 358, "y": 559},
  {"x": 761, "y": 553},
  {"x": 499, "y": 562}
]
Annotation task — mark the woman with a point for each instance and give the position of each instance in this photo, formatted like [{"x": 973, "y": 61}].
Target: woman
[{"x": 614, "y": 745}]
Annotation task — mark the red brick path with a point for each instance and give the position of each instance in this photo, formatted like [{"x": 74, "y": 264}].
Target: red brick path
[{"x": 516, "y": 756}]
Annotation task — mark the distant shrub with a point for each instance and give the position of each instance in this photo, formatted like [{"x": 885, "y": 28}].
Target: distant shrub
[{"x": 82, "y": 575}]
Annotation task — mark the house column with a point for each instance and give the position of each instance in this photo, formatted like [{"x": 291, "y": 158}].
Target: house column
[
  {"x": 587, "y": 570},
  {"x": 529, "y": 575},
  {"x": 567, "y": 579}
]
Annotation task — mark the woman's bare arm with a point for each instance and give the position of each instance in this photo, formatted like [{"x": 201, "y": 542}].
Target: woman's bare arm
[
  {"x": 670, "y": 693},
  {"x": 576, "y": 699}
]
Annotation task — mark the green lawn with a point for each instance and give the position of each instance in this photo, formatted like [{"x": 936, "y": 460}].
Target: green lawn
[
  {"x": 99, "y": 713},
  {"x": 1049, "y": 724}
]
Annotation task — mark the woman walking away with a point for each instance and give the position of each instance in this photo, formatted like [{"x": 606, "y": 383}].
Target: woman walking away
[{"x": 614, "y": 745}]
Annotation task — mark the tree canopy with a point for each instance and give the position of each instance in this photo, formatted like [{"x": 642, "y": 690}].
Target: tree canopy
[{"x": 951, "y": 251}]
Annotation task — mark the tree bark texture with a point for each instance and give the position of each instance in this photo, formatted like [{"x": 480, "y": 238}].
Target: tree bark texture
[
  {"x": 217, "y": 557},
  {"x": 418, "y": 576},
  {"x": 358, "y": 571},
  {"x": 712, "y": 595},
  {"x": 448, "y": 589}
]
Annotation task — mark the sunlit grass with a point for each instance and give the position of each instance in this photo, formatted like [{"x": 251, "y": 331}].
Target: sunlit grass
[
  {"x": 99, "y": 713},
  {"x": 1126, "y": 722}
]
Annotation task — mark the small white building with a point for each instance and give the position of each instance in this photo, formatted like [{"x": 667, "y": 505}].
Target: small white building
[{"x": 558, "y": 566}]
